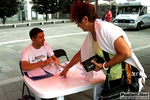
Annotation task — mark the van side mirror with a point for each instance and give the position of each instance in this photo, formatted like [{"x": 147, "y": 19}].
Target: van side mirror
[{"x": 141, "y": 13}]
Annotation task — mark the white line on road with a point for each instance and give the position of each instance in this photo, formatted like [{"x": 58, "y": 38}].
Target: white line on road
[
  {"x": 140, "y": 48},
  {"x": 47, "y": 37},
  {"x": 17, "y": 41}
]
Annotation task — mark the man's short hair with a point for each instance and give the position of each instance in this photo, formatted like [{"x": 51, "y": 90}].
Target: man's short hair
[{"x": 33, "y": 32}]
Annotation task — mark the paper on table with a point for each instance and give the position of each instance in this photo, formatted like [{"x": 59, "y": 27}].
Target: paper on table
[
  {"x": 52, "y": 69},
  {"x": 80, "y": 72},
  {"x": 77, "y": 71},
  {"x": 36, "y": 72},
  {"x": 63, "y": 65},
  {"x": 55, "y": 69}
]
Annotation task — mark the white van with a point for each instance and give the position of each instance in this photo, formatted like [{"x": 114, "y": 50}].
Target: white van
[{"x": 133, "y": 14}]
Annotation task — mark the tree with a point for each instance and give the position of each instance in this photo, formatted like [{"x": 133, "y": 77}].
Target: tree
[
  {"x": 8, "y": 8},
  {"x": 65, "y": 5},
  {"x": 45, "y": 7},
  {"x": 96, "y": 5}
]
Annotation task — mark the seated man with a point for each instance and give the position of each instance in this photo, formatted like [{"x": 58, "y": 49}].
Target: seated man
[{"x": 38, "y": 53}]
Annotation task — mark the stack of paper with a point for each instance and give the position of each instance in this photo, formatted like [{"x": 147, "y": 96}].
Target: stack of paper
[{"x": 36, "y": 72}]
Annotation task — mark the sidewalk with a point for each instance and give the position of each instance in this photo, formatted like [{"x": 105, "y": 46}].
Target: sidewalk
[{"x": 33, "y": 22}]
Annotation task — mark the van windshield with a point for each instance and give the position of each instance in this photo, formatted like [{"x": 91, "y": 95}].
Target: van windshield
[{"x": 129, "y": 10}]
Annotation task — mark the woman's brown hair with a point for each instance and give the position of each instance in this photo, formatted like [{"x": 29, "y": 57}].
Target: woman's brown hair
[{"x": 81, "y": 9}]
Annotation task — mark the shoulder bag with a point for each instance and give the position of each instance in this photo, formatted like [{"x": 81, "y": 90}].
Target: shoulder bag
[{"x": 128, "y": 82}]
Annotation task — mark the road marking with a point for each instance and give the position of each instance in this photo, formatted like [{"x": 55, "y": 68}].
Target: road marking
[
  {"x": 47, "y": 37},
  {"x": 140, "y": 48}
]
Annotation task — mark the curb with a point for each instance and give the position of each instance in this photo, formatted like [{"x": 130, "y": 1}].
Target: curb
[{"x": 31, "y": 23}]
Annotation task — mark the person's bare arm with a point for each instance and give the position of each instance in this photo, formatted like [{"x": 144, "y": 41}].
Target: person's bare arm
[
  {"x": 123, "y": 52},
  {"x": 26, "y": 66},
  {"x": 74, "y": 60}
]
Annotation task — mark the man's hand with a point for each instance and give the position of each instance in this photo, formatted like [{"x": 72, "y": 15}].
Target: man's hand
[
  {"x": 48, "y": 61},
  {"x": 56, "y": 61}
]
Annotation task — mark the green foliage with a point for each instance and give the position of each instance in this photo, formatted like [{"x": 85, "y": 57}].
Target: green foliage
[
  {"x": 8, "y": 8},
  {"x": 45, "y": 6},
  {"x": 65, "y": 5}
]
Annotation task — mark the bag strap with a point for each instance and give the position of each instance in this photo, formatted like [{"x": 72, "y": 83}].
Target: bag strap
[{"x": 107, "y": 58}]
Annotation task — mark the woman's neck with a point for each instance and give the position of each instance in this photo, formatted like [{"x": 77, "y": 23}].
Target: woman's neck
[
  {"x": 94, "y": 36},
  {"x": 93, "y": 32}
]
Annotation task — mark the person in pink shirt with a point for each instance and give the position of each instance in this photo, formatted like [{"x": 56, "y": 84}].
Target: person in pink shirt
[{"x": 108, "y": 15}]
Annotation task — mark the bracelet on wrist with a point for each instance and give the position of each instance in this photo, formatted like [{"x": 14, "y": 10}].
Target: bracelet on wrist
[{"x": 104, "y": 66}]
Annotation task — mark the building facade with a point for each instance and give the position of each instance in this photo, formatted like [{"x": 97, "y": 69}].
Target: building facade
[{"x": 26, "y": 13}]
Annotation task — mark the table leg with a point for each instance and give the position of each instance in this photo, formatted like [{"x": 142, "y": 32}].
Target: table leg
[
  {"x": 97, "y": 90},
  {"x": 60, "y": 98}
]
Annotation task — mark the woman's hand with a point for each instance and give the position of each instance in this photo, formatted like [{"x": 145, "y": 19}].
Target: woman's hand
[
  {"x": 98, "y": 67},
  {"x": 64, "y": 72}
]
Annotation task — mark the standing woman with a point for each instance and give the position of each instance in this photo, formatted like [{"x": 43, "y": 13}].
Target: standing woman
[{"x": 102, "y": 36}]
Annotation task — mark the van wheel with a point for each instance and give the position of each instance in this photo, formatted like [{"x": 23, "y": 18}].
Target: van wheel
[{"x": 138, "y": 26}]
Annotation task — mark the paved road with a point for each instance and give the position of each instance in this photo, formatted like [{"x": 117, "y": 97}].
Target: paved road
[{"x": 67, "y": 36}]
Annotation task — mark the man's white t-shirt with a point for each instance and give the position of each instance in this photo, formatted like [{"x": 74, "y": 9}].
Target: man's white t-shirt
[{"x": 33, "y": 55}]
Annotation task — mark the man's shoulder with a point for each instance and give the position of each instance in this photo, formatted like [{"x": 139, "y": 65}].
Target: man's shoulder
[
  {"x": 27, "y": 48},
  {"x": 46, "y": 44}
]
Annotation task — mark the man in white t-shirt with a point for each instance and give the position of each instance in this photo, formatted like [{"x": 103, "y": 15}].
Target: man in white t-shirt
[{"x": 38, "y": 53}]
